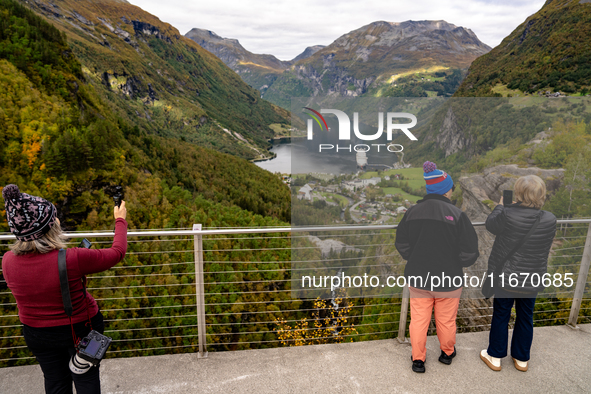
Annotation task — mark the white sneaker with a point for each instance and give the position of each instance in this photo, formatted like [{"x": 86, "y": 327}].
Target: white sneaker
[
  {"x": 520, "y": 365},
  {"x": 492, "y": 362}
]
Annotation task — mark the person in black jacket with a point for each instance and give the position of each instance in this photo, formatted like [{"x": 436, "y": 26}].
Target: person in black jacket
[
  {"x": 521, "y": 274},
  {"x": 437, "y": 240}
]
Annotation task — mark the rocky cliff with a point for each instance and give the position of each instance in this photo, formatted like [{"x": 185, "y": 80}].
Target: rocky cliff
[
  {"x": 480, "y": 191},
  {"x": 451, "y": 137}
]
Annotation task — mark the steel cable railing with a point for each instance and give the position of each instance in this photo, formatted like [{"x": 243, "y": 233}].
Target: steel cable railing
[{"x": 151, "y": 301}]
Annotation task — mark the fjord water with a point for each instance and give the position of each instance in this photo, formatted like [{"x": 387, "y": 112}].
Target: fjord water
[{"x": 309, "y": 161}]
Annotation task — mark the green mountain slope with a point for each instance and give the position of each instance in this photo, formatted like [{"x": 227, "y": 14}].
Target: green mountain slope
[
  {"x": 549, "y": 51},
  {"x": 60, "y": 140},
  {"x": 152, "y": 76}
]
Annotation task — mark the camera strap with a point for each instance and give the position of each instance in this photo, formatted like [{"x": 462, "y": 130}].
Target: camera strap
[
  {"x": 63, "y": 271},
  {"x": 65, "y": 288}
]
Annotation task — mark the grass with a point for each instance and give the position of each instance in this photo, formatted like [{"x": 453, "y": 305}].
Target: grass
[
  {"x": 280, "y": 130},
  {"x": 505, "y": 91},
  {"x": 414, "y": 177},
  {"x": 408, "y": 173},
  {"x": 405, "y": 195},
  {"x": 423, "y": 72},
  {"x": 342, "y": 201}
]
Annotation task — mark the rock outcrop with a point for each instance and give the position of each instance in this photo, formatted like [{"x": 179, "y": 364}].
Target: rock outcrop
[{"x": 480, "y": 190}]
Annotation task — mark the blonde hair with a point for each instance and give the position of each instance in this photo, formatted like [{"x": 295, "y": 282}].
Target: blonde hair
[
  {"x": 53, "y": 239},
  {"x": 530, "y": 190}
]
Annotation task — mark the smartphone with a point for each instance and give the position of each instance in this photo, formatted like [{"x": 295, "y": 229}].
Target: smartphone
[
  {"x": 118, "y": 196},
  {"x": 85, "y": 244},
  {"x": 507, "y": 197}
]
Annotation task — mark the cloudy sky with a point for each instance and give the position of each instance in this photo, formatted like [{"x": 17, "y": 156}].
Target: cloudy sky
[{"x": 286, "y": 28}]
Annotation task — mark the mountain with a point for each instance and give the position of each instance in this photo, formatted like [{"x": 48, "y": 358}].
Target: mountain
[
  {"x": 411, "y": 58},
  {"x": 152, "y": 76},
  {"x": 309, "y": 51},
  {"x": 259, "y": 71},
  {"x": 549, "y": 52}
]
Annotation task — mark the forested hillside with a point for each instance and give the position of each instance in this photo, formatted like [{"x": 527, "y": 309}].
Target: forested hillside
[
  {"x": 151, "y": 76},
  {"x": 549, "y": 51}
]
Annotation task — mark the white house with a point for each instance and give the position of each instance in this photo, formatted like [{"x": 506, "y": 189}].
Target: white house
[
  {"x": 348, "y": 185},
  {"x": 371, "y": 181},
  {"x": 304, "y": 192}
]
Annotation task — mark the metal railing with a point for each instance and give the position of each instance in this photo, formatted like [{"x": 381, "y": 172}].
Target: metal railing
[{"x": 230, "y": 289}]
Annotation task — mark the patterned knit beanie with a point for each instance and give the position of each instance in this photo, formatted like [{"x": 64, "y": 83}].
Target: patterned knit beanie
[
  {"x": 29, "y": 217},
  {"x": 438, "y": 182}
]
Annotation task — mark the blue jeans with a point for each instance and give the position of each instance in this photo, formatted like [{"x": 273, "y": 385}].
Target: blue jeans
[
  {"x": 523, "y": 332},
  {"x": 54, "y": 347}
]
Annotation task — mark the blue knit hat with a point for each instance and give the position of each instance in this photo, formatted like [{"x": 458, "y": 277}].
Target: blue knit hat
[{"x": 438, "y": 182}]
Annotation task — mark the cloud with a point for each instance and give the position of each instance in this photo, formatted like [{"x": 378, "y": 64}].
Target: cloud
[{"x": 286, "y": 28}]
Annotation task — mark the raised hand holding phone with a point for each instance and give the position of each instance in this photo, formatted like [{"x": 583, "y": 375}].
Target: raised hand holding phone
[{"x": 120, "y": 211}]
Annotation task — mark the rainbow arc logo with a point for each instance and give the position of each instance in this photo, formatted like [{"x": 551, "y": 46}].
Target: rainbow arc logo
[{"x": 316, "y": 118}]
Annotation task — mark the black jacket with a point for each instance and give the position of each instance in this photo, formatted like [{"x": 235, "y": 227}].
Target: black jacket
[
  {"x": 510, "y": 224},
  {"x": 436, "y": 238}
]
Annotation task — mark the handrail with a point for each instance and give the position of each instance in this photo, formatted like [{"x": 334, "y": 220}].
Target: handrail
[
  {"x": 257, "y": 230},
  {"x": 192, "y": 297}
]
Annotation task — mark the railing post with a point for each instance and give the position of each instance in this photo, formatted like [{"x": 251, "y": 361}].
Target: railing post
[
  {"x": 200, "y": 292},
  {"x": 581, "y": 282},
  {"x": 403, "y": 315}
]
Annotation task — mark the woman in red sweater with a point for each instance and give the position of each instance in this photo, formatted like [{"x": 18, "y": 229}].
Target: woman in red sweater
[{"x": 30, "y": 269}]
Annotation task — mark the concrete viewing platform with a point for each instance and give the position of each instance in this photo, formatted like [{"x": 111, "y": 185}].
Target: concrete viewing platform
[{"x": 560, "y": 363}]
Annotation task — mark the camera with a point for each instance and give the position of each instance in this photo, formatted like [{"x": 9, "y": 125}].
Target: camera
[
  {"x": 89, "y": 352},
  {"x": 118, "y": 196}
]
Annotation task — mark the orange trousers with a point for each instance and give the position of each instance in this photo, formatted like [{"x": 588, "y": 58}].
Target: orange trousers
[{"x": 422, "y": 303}]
